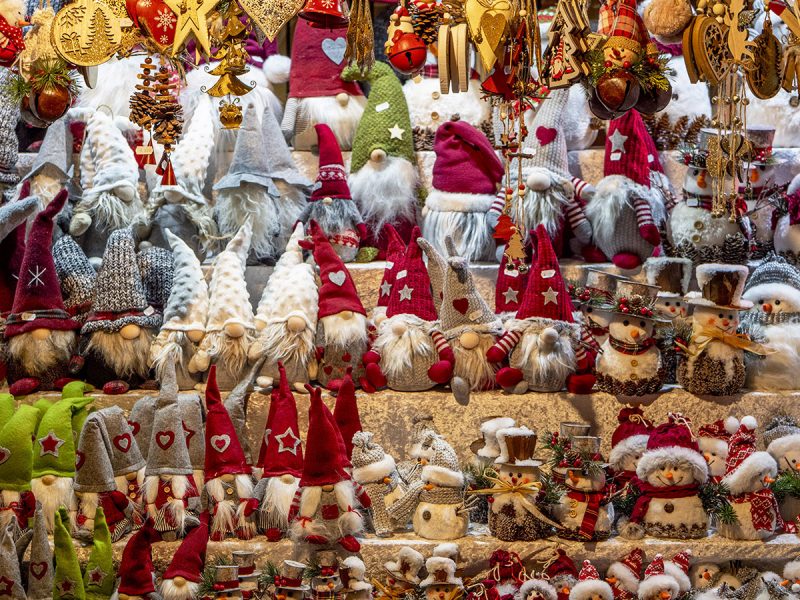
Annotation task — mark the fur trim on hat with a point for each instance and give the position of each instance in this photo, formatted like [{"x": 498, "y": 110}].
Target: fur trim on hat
[
  {"x": 621, "y": 571},
  {"x": 778, "y": 448},
  {"x": 412, "y": 558},
  {"x": 442, "y": 476},
  {"x": 375, "y": 471},
  {"x": 674, "y": 571},
  {"x": 630, "y": 445},
  {"x": 489, "y": 430},
  {"x": 440, "y": 563},
  {"x": 447, "y": 550},
  {"x": 589, "y": 587},
  {"x": 772, "y": 291},
  {"x": 541, "y": 586},
  {"x": 440, "y": 201},
  {"x": 791, "y": 570},
  {"x": 741, "y": 479},
  {"x": 652, "y": 459},
  {"x": 656, "y": 583}
]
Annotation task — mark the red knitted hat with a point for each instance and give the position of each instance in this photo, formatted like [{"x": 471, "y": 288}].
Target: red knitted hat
[
  {"x": 317, "y": 62},
  {"x": 337, "y": 292},
  {"x": 546, "y": 296},
  {"x": 631, "y": 423},
  {"x": 508, "y": 291},
  {"x": 652, "y": 154},
  {"x": 190, "y": 557},
  {"x": 717, "y": 430},
  {"x": 741, "y": 445},
  {"x": 37, "y": 301},
  {"x": 466, "y": 162},
  {"x": 656, "y": 567},
  {"x": 682, "y": 559},
  {"x": 344, "y": 458},
  {"x": 331, "y": 177},
  {"x": 633, "y": 561},
  {"x": 136, "y": 566},
  {"x": 224, "y": 454},
  {"x": 281, "y": 449},
  {"x": 626, "y": 148},
  {"x": 588, "y": 572},
  {"x": 674, "y": 433},
  {"x": 411, "y": 292},
  {"x": 561, "y": 565},
  {"x": 12, "y": 251},
  {"x": 395, "y": 248},
  {"x": 324, "y": 460},
  {"x": 345, "y": 412}
]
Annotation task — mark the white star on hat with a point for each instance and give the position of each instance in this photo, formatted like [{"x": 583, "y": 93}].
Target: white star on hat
[
  {"x": 386, "y": 288},
  {"x": 618, "y": 140},
  {"x": 511, "y": 295},
  {"x": 396, "y": 132},
  {"x": 405, "y": 293},
  {"x": 550, "y": 296}
]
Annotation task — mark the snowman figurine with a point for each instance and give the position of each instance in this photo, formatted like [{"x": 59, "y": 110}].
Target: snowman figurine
[
  {"x": 536, "y": 589},
  {"x": 289, "y": 582},
  {"x": 712, "y": 440},
  {"x": 585, "y": 511},
  {"x": 774, "y": 290},
  {"x": 629, "y": 363},
  {"x": 782, "y": 438},
  {"x": 786, "y": 237},
  {"x": 657, "y": 584},
  {"x": 760, "y": 176},
  {"x": 623, "y": 575},
  {"x": 441, "y": 582}
]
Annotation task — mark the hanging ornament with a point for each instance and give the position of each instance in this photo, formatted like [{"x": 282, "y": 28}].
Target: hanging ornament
[
  {"x": 192, "y": 22},
  {"x": 791, "y": 66},
  {"x": 156, "y": 21},
  {"x": 52, "y": 89},
  {"x": 37, "y": 40},
  {"x": 325, "y": 14},
  {"x": 230, "y": 113},
  {"x": 360, "y": 37},
  {"x": 86, "y": 33},
  {"x": 569, "y": 39},
  {"x": 764, "y": 77},
  {"x": 489, "y": 24},
  {"x": 166, "y": 121},
  {"x": 270, "y": 16},
  {"x": 405, "y": 49},
  {"x": 142, "y": 107}
]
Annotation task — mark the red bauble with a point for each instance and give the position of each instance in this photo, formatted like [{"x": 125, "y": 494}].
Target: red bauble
[
  {"x": 653, "y": 101},
  {"x": 50, "y": 103},
  {"x": 156, "y": 20},
  {"x": 408, "y": 52},
  {"x": 619, "y": 91},
  {"x": 599, "y": 109}
]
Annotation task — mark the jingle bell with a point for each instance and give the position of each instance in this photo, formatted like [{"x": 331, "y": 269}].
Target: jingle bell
[
  {"x": 325, "y": 14},
  {"x": 407, "y": 53}
]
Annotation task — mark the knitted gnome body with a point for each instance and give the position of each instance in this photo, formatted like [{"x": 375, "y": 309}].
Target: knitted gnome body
[
  {"x": 624, "y": 212},
  {"x": 376, "y": 472},
  {"x": 182, "y": 579},
  {"x": 383, "y": 174},
  {"x": 466, "y": 177},
  {"x": 286, "y": 319},
  {"x": 317, "y": 93},
  {"x": 41, "y": 335},
  {"x": 122, "y": 324}
]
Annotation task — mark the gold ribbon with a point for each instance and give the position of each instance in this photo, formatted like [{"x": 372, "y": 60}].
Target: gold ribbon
[
  {"x": 736, "y": 340},
  {"x": 388, "y": 592},
  {"x": 520, "y": 489}
]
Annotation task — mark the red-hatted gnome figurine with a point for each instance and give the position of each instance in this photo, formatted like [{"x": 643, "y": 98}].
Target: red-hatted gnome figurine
[
  {"x": 136, "y": 572},
  {"x": 41, "y": 336},
  {"x": 543, "y": 341},
  {"x": 181, "y": 580},
  {"x": 228, "y": 488},
  {"x": 342, "y": 334},
  {"x": 280, "y": 460},
  {"x": 323, "y": 511}
]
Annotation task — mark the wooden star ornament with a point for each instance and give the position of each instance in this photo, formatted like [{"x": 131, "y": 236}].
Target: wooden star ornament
[{"x": 192, "y": 21}]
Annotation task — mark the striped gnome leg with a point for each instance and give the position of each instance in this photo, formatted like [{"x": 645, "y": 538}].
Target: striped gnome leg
[
  {"x": 506, "y": 377},
  {"x": 441, "y": 371},
  {"x": 644, "y": 218},
  {"x": 583, "y": 379},
  {"x": 576, "y": 218}
]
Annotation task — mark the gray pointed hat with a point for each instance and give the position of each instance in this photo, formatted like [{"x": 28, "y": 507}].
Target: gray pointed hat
[
  {"x": 249, "y": 164},
  {"x": 280, "y": 163}
]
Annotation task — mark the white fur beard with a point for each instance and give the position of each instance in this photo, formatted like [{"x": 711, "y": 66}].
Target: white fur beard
[
  {"x": 546, "y": 207},
  {"x": 228, "y": 516},
  {"x": 174, "y": 507},
  {"x": 344, "y": 333},
  {"x": 53, "y": 496},
  {"x": 87, "y": 506},
  {"x": 336, "y": 217},
  {"x": 203, "y": 218},
  {"x": 108, "y": 212},
  {"x": 126, "y": 358},
  {"x": 170, "y": 591},
  {"x": 171, "y": 348},
  {"x": 286, "y": 346},
  {"x": 9, "y": 497},
  {"x": 38, "y": 357},
  {"x": 278, "y": 499},
  {"x": 556, "y": 364},
  {"x": 292, "y": 203},
  {"x": 342, "y": 120},
  {"x": 469, "y": 230},
  {"x": 228, "y": 353},
  {"x": 397, "y": 353},
  {"x": 385, "y": 192},
  {"x": 45, "y": 186},
  {"x": 122, "y": 481},
  {"x": 250, "y": 200},
  {"x": 613, "y": 193},
  {"x": 472, "y": 366}
]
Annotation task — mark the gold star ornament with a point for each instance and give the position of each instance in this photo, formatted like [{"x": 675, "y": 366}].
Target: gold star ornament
[{"x": 192, "y": 21}]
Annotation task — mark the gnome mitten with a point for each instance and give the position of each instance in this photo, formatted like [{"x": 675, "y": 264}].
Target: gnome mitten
[
  {"x": 580, "y": 383},
  {"x": 508, "y": 377},
  {"x": 375, "y": 376},
  {"x": 644, "y": 218}
]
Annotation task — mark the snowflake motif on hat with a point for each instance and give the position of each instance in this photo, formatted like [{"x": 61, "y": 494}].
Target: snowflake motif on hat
[
  {"x": 165, "y": 19},
  {"x": 50, "y": 444},
  {"x": 36, "y": 276},
  {"x": 293, "y": 440}
]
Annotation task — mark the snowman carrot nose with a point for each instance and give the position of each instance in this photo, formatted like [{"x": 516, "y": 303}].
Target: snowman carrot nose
[
  {"x": 611, "y": 580},
  {"x": 701, "y": 179},
  {"x": 669, "y": 475},
  {"x": 766, "y": 307},
  {"x": 565, "y": 590},
  {"x": 635, "y": 334},
  {"x": 572, "y": 477},
  {"x": 754, "y": 176},
  {"x": 785, "y": 582},
  {"x": 706, "y": 575},
  {"x": 665, "y": 595},
  {"x": 707, "y": 456},
  {"x": 768, "y": 480}
]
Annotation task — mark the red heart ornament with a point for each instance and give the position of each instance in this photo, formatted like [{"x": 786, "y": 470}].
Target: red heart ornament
[
  {"x": 461, "y": 305},
  {"x": 157, "y": 21},
  {"x": 134, "y": 426},
  {"x": 80, "y": 458},
  {"x": 328, "y": 369},
  {"x": 38, "y": 569},
  {"x": 165, "y": 439},
  {"x": 346, "y": 357},
  {"x": 545, "y": 135},
  {"x": 123, "y": 442}
]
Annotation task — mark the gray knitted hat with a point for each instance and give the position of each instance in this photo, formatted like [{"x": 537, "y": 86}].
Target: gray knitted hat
[
  {"x": 168, "y": 453},
  {"x": 780, "y": 426},
  {"x": 77, "y": 276},
  {"x": 40, "y": 566},
  {"x": 141, "y": 422},
  {"x": 437, "y": 267},
  {"x": 548, "y": 143},
  {"x": 236, "y": 405},
  {"x": 120, "y": 297},
  {"x": 187, "y": 307},
  {"x": 280, "y": 164},
  {"x": 774, "y": 269},
  {"x": 55, "y": 153},
  {"x": 443, "y": 467},
  {"x": 371, "y": 463},
  {"x": 9, "y": 115},
  {"x": 191, "y": 411},
  {"x": 156, "y": 267},
  {"x": 9, "y": 565},
  {"x": 124, "y": 452},
  {"x": 93, "y": 465},
  {"x": 249, "y": 164},
  {"x": 463, "y": 308}
]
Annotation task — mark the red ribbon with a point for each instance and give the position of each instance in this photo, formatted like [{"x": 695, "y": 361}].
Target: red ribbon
[{"x": 286, "y": 582}]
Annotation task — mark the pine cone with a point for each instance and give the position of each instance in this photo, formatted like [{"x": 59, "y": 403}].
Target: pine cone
[
  {"x": 734, "y": 249},
  {"x": 426, "y": 23}
]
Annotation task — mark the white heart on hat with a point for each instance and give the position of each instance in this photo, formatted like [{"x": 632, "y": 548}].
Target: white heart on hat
[
  {"x": 337, "y": 277},
  {"x": 220, "y": 443},
  {"x": 334, "y": 49}
]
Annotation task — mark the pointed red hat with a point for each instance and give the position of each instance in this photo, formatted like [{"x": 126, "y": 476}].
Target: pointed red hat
[
  {"x": 683, "y": 559},
  {"x": 331, "y": 177},
  {"x": 741, "y": 445},
  {"x": 281, "y": 450},
  {"x": 633, "y": 561},
  {"x": 344, "y": 458},
  {"x": 561, "y": 565},
  {"x": 546, "y": 295},
  {"x": 395, "y": 249},
  {"x": 627, "y": 149},
  {"x": 37, "y": 301},
  {"x": 190, "y": 558},
  {"x": 588, "y": 572},
  {"x": 510, "y": 287},
  {"x": 656, "y": 567},
  {"x": 345, "y": 412},
  {"x": 631, "y": 422},
  {"x": 136, "y": 566},
  {"x": 324, "y": 460},
  {"x": 337, "y": 292},
  {"x": 224, "y": 454},
  {"x": 411, "y": 292}
]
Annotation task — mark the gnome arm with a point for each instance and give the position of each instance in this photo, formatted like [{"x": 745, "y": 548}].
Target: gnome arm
[
  {"x": 122, "y": 503},
  {"x": 503, "y": 347},
  {"x": 27, "y": 508},
  {"x": 361, "y": 495},
  {"x": 251, "y": 505},
  {"x": 496, "y": 209},
  {"x": 289, "y": 118},
  {"x": 441, "y": 371}
]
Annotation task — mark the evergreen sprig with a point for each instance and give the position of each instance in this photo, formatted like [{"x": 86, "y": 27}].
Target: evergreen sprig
[
  {"x": 625, "y": 500},
  {"x": 268, "y": 575},
  {"x": 208, "y": 579},
  {"x": 551, "y": 492},
  {"x": 714, "y": 497},
  {"x": 786, "y": 485},
  {"x": 649, "y": 73},
  {"x": 565, "y": 456}
]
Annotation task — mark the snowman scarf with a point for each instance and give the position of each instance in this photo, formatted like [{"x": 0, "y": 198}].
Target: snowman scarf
[
  {"x": 648, "y": 492},
  {"x": 593, "y": 500},
  {"x": 763, "y": 507}
]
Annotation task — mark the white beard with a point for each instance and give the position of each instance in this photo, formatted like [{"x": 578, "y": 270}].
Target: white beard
[
  {"x": 38, "y": 357},
  {"x": 278, "y": 499},
  {"x": 344, "y": 332},
  {"x": 52, "y": 497},
  {"x": 173, "y": 348},
  {"x": 234, "y": 206},
  {"x": 229, "y": 353},
  {"x": 286, "y": 346},
  {"x": 385, "y": 192},
  {"x": 397, "y": 352},
  {"x": 546, "y": 207},
  {"x": 108, "y": 212},
  {"x": 179, "y": 484},
  {"x": 170, "y": 591},
  {"x": 471, "y": 365},
  {"x": 87, "y": 505},
  {"x": 9, "y": 497},
  {"x": 227, "y": 516},
  {"x": 127, "y": 358}
]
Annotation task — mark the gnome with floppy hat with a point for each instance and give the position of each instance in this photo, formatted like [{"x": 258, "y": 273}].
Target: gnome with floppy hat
[
  {"x": 76, "y": 275},
  {"x": 182, "y": 579},
  {"x": 136, "y": 572},
  {"x": 376, "y": 471},
  {"x": 40, "y": 334},
  {"x": 286, "y": 319},
  {"x": 395, "y": 250},
  {"x": 280, "y": 461},
  {"x": 17, "y": 502}
]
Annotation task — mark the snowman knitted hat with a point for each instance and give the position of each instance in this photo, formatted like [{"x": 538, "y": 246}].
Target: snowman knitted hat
[
  {"x": 136, "y": 565},
  {"x": 560, "y": 565},
  {"x": 67, "y": 580},
  {"x": 337, "y": 290},
  {"x": 229, "y": 301},
  {"x": 99, "y": 576},
  {"x": 11, "y": 580},
  {"x": 407, "y": 566},
  {"x": 249, "y": 164},
  {"x": 168, "y": 453},
  {"x": 324, "y": 456},
  {"x": 224, "y": 454},
  {"x": 120, "y": 297},
  {"x": 190, "y": 557},
  {"x": 371, "y": 464},
  {"x": 54, "y": 448},
  {"x": 489, "y": 429},
  {"x": 37, "y": 301},
  {"x": 774, "y": 273},
  {"x": 744, "y": 467},
  {"x": 655, "y": 580},
  {"x": 630, "y": 435},
  {"x": 714, "y": 437},
  {"x": 541, "y": 586},
  {"x": 114, "y": 161},
  {"x": 281, "y": 449},
  {"x": 411, "y": 292},
  {"x": 781, "y": 435},
  {"x": 395, "y": 250},
  {"x": 93, "y": 472},
  {"x": 124, "y": 452},
  {"x": 280, "y": 163},
  {"x": 16, "y": 448},
  {"x": 546, "y": 294},
  {"x": 187, "y": 307},
  {"x": 672, "y": 441},
  {"x": 678, "y": 568},
  {"x": 627, "y": 569},
  {"x": 76, "y": 274},
  {"x": 443, "y": 468},
  {"x": 463, "y": 308},
  {"x": 40, "y": 565},
  {"x": 345, "y": 411},
  {"x": 548, "y": 143},
  {"x": 590, "y": 584},
  {"x": 141, "y": 422}
]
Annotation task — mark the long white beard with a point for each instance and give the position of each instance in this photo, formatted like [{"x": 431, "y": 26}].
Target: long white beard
[
  {"x": 286, "y": 346},
  {"x": 234, "y": 206},
  {"x": 171, "y": 348},
  {"x": 108, "y": 212},
  {"x": 229, "y": 353},
  {"x": 127, "y": 358},
  {"x": 38, "y": 357},
  {"x": 546, "y": 207},
  {"x": 227, "y": 516},
  {"x": 556, "y": 364},
  {"x": 9, "y": 497},
  {"x": 472, "y": 366},
  {"x": 278, "y": 498},
  {"x": 385, "y": 192},
  {"x": 122, "y": 481},
  {"x": 344, "y": 332},
  {"x": 175, "y": 507},
  {"x": 87, "y": 505},
  {"x": 396, "y": 352},
  {"x": 170, "y": 591},
  {"x": 52, "y": 497}
]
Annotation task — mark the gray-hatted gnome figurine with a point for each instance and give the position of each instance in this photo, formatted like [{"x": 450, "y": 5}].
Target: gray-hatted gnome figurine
[
  {"x": 40, "y": 563},
  {"x": 230, "y": 328},
  {"x": 376, "y": 472},
  {"x": 286, "y": 319},
  {"x": 331, "y": 203},
  {"x": 76, "y": 275},
  {"x": 323, "y": 512},
  {"x": 410, "y": 352},
  {"x": 17, "y": 503},
  {"x": 118, "y": 332},
  {"x": 170, "y": 494},
  {"x": 40, "y": 334},
  {"x": 280, "y": 461},
  {"x": 182, "y": 579},
  {"x": 342, "y": 336},
  {"x": 228, "y": 489},
  {"x": 383, "y": 171},
  {"x": 11, "y": 578},
  {"x": 184, "y": 316}
]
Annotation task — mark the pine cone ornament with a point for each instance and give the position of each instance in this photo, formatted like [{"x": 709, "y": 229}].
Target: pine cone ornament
[{"x": 734, "y": 250}]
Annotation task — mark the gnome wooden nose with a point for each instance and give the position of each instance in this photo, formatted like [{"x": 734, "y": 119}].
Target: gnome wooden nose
[
  {"x": 377, "y": 155},
  {"x": 40, "y": 334},
  {"x": 172, "y": 197},
  {"x": 549, "y": 337},
  {"x": 178, "y": 581},
  {"x": 48, "y": 479},
  {"x": 346, "y": 314},
  {"x": 130, "y": 332},
  {"x": 195, "y": 335},
  {"x": 398, "y": 329},
  {"x": 342, "y": 99},
  {"x": 234, "y": 330},
  {"x": 287, "y": 478},
  {"x": 125, "y": 193},
  {"x": 538, "y": 181},
  {"x": 295, "y": 324},
  {"x": 469, "y": 340}
]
